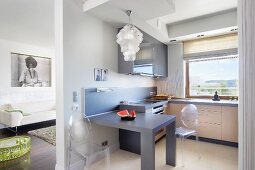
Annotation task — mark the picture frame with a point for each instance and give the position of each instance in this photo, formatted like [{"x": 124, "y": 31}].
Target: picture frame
[
  {"x": 104, "y": 73},
  {"x": 97, "y": 74},
  {"x": 30, "y": 70},
  {"x": 100, "y": 74}
]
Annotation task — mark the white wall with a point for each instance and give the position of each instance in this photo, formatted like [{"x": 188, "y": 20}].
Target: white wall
[
  {"x": 88, "y": 43},
  {"x": 174, "y": 83},
  {"x": 28, "y": 21},
  {"x": 203, "y": 24},
  {"x": 10, "y": 94}
]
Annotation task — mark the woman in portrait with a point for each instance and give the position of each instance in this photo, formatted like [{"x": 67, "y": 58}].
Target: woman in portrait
[{"x": 29, "y": 77}]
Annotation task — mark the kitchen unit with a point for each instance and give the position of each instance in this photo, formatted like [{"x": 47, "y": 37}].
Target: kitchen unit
[
  {"x": 218, "y": 121},
  {"x": 151, "y": 60},
  {"x": 127, "y": 137}
]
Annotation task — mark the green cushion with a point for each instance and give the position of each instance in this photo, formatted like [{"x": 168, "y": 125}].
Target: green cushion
[{"x": 10, "y": 111}]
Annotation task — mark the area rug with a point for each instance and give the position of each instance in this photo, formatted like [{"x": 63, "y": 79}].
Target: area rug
[{"x": 47, "y": 134}]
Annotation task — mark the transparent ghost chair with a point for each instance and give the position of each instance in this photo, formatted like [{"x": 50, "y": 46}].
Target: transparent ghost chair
[
  {"x": 189, "y": 120},
  {"x": 82, "y": 145}
]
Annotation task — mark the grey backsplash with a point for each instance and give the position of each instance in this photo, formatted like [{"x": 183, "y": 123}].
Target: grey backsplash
[{"x": 95, "y": 103}]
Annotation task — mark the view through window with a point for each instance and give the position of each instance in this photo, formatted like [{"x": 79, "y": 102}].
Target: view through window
[{"x": 210, "y": 75}]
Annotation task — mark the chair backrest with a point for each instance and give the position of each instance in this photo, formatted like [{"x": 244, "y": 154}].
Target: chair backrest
[
  {"x": 189, "y": 116},
  {"x": 80, "y": 131}
]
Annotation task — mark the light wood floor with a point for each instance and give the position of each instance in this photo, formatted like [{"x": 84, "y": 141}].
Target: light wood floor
[{"x": 212, "y": 157}]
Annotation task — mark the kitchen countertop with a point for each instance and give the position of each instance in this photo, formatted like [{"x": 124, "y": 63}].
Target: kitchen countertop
[{"x": 205, "y": 102}]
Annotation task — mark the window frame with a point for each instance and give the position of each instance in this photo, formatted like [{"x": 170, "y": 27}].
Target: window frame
[{"x": 187, "y": 87}]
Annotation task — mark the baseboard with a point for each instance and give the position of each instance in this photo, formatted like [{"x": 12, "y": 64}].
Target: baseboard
[{"x": 221, "y": 142}]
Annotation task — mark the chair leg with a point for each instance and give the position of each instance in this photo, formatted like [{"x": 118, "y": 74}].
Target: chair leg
[
  {"x": 107, "y": 158},
  {"x": 69, "y": 154},
  {"x": 87, "y": 163},
  {"x": 182, "y": 149},
  {"x": 198, "y": 152},
  {"x": 15, "y": 130}
]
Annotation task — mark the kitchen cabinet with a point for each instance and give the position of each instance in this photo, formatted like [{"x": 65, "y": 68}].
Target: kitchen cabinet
[
  {"x": 230, "y": 124},
  {"x": 214, "y": 122},
  {"x": 209, "y": 121},
  {"x": 151, "y": 59},
  {"x": 209, "y": 130}
]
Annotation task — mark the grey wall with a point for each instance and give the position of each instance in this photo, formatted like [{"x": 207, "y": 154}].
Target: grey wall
[
  {"x": 174, "y": 83},
  {"x": 203, "y": 24}
]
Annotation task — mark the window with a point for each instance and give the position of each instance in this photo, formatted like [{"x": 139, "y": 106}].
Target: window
[
  {"x": 210, "y": 75},
  {"x": 212, "y": 65}
]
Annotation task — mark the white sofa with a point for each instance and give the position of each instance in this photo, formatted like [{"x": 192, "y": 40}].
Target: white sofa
[{"x": 33, "y": 112}]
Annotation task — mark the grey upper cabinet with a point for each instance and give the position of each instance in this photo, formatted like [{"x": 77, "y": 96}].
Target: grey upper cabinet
[{"x": 151, "y": 60}]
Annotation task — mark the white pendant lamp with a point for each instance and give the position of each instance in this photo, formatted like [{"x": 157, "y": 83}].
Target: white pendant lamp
[{"x": 129, "y": 38}]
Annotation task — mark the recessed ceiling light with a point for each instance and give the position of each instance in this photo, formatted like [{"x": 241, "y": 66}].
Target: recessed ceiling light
[
  {"x": 200, "y": 35},
  {"x": 234, "y": 29}
]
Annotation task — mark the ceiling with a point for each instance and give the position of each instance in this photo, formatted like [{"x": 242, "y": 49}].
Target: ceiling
[
  {"x": 28, "y": 21},
  {"x": 155, "y": 16},
  {"x": 187, "y": 9},
  {"x": 113, "y": 12}
]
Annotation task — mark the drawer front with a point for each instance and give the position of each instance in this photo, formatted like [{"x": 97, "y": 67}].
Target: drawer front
[
  {"x": 209, "y": 114},
  {"x": 209, "y": 130}
]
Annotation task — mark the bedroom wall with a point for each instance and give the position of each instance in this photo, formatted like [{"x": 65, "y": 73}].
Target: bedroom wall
[
  {"x": 25, "y": 28},
  {"x": 10, "y": 94}
]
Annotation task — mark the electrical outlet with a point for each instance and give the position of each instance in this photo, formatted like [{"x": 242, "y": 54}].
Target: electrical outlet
[
  {"x": 75, "y": 107},
  {"x": 105, "y": 143}
]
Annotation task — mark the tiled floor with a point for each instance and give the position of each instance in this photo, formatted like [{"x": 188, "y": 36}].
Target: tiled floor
[{"x": 212, "y": 157}]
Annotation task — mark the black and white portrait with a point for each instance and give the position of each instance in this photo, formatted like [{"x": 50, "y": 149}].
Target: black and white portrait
[
  {"x": 97, "y": 74},
  {"x": 30, "y": 71},
  {"x": 104, "y": 74}
]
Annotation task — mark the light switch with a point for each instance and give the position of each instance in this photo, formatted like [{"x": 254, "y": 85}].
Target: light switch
[
  {"x": 75, "y": 97},
  {"x": 75, "y": 105}
]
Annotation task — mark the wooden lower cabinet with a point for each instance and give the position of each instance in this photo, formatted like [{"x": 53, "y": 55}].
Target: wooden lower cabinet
[
  {"x": 209, "y": 130},
  {"x": 214, "y": 122},
  {"x": 230, "y": 124},
  {"x": 209, "y": 114}
]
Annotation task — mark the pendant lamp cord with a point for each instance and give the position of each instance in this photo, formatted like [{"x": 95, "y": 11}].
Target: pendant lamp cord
[{"x": 129, "y": 12}]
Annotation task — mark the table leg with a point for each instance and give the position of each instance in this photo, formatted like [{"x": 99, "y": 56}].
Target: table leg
[
  {"x": 147, "y": 151},
  {"x": 171, "y": 144}
]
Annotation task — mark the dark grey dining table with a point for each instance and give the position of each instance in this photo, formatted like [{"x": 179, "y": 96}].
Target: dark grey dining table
[{"x": 147, "y": 125}]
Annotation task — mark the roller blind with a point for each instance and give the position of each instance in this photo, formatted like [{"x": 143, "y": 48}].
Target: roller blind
[{"x": 213, "y": 47}]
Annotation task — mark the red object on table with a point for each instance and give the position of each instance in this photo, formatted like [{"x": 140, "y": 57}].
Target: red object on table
[
  {"x": 123, "y": 113},
  {"x": 132, "y": 113}
]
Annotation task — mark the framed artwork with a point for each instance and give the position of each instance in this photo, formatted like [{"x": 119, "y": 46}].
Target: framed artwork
[
  {"x": 100, "y": 74},
  {"x": 30, "y": 71},
  {"x": 104, "y": 74},
  {"x": 97, "y": 74}
]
